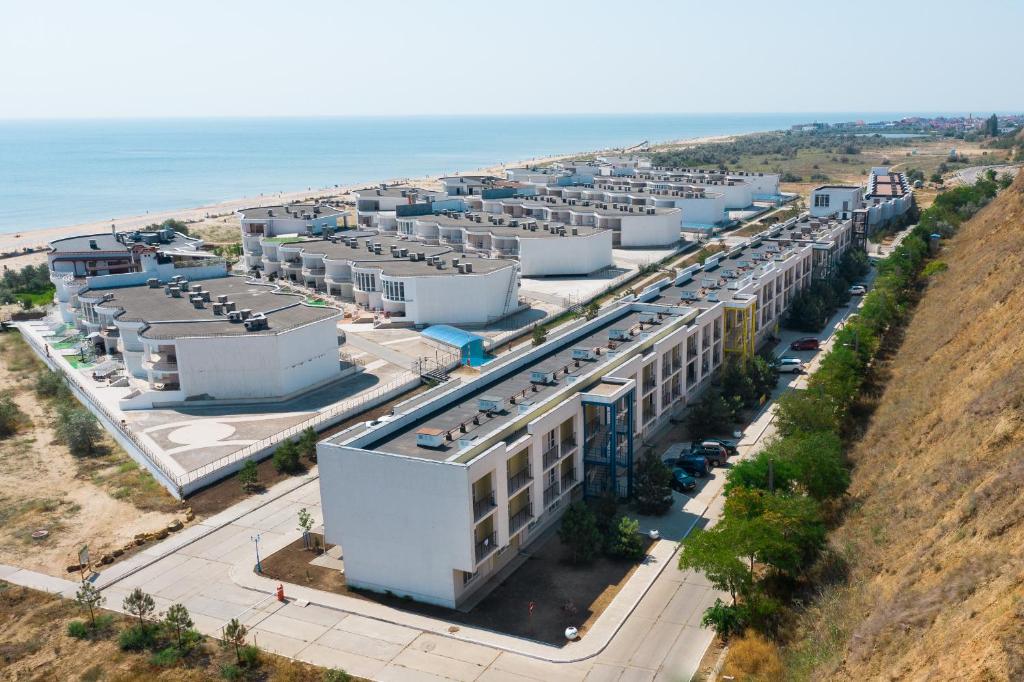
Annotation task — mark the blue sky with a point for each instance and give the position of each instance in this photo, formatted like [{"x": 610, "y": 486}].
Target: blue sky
[{"x": 119, "y": 58}]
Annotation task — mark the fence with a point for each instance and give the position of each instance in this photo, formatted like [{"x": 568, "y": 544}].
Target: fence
[{"x": 181, "y": 484}]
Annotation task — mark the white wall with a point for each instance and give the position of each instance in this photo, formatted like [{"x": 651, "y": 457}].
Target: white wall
[
  {"x": 459, "y": 299},
  {"x": 837, "y": 195},
  {"x": 565, "y": 255},
  {"x": 661, "y": 229}
]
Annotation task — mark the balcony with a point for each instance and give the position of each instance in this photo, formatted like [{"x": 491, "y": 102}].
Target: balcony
[
  {"x": 567, "y": 445},
  {"x": 551, "y": 455},
  {"x": 568, "y": 479},
  {"x": 519, "y": 519},
  {"x": 486, "y": 546},
  {"x": 483, "y": 506},
  {"x": 518, "y": 480},
  {"x": 314, "y": 271},
  {"x": 649, "y": 384},
  {"x": 551, "y": 493}
]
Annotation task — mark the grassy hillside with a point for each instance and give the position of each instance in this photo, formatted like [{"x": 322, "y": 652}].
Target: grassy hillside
[{"x": 935, "y": 532}]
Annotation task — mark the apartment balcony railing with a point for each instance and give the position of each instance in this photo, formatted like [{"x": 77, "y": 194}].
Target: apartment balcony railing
[
  {"x": 316, "y": 272},
  {"x": 568, "y": 479},
  {"x": 518, "y": 480},
  {"x": 649, "y": 385},
  {"x": 551, "y": 493},
  {"x": 485, "y": 546},
  {"x": 519, "y": 519},
  {"x": 551, "y": 455},
  {"x": 483, "y": 506},
  {"x": 567, "y": 446}
]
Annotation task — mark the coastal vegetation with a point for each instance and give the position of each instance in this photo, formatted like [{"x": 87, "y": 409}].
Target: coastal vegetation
[
  {"x": 30, "y": 286},
  {"x": 770, "y": 550}
]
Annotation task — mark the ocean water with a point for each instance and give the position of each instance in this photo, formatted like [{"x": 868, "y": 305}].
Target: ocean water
[{"x": 55, "y": 173}]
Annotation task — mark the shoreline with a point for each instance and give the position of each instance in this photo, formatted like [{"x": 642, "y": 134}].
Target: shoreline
[{"x": 16, "y": 242}]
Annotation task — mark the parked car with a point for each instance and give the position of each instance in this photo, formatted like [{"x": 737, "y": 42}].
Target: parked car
[
  {"x": 806, "y": 343},
  {"x": 857, "y": 290},
  {"x": 682, "y": 481},
  {"x": 731, "y": 446},
  {"x": 695, "y": 465},
  {"x": 715, "y": 454},
  {"x": 789, "y": 365}
]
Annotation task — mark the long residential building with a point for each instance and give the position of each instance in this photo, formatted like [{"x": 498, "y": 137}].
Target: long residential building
[
  {"x": 280, "y": 222},
  {"x": 113, "y": 259},
  {"x": 229, "y": 339},
  {"x": 422, "y": 284},
  {"x": 435, "y": 499}
]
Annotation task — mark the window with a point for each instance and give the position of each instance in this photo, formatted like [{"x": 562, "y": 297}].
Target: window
[
  {"x": 821, "y": 200},
  {"x": 394, "y": 291},
  {"x": 366, "y": 281}
]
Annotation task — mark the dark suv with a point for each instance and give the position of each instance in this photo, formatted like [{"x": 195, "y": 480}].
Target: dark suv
[
  {"x": 713, "y": 452},
  {"x": 806, "y": 343},
  {"x": 730, "y": 445},
  {"x": 697, "y": 465}
]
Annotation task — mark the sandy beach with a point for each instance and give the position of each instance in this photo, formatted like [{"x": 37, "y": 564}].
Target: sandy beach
[{"x": 11, "y": 243}]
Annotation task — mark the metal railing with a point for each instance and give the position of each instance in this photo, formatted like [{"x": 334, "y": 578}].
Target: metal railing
[
  {"x": 567, "y": 445},
  {"x": 519, "y": 519},
  {"x": 483, "y": 506},
  {"x": 551, "y": 455},
  {"x": 551, "y": 493},
  {"x": 485, "y": 546},
  {"x": 519, "y": 479},
  {"x": 569, "y": 479}
]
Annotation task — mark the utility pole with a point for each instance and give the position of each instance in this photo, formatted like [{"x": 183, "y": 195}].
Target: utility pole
[{"x": 256, "y": 539}]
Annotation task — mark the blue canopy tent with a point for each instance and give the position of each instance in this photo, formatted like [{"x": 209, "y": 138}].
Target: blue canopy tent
[{"x": 469, "y": 346}]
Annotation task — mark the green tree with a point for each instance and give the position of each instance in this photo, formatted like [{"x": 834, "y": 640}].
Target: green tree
[
  {"x": 249, "y": 476},
  {"x": 785, "y": 532},
  {"x": 579, "y": 533},
  {"x": 234, "y": 636},
  {"x": 713, "y": 553},
  {"x": 709, "y": 415},
  {"x": 992, "y": 126},
  {"x": 307, "y": 443},
  {"x": 50, "y": 384},
  {"x": 762, "y": 471},
  {"x": 140, "y": 605},
  {"x": 305, "y": 525},
  {"x": 286, "y": 457},
  {"x": 178, "y": 621},
  {"x": 89, "y": 598},
  {"x": 652, "y": 485},
  {"x": 804, "y": 411},
  {"x": 592, "y": 310},
  {"x": 77, "y": 428},
  {"x": 540, "y": 335},
  {"x": 626, "y": 542},
  {"x": 816, "y": 462}
]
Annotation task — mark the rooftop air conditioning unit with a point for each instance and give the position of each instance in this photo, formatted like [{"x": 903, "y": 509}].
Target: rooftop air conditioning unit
[
  {"x": 524, "y": 406},
  {"x": 429, "y": 437},
  {"x": 174, "y": 291},
  {"x": 469, "y": 268},
  {"x": 618, "y": 334},
  {"x": 490, "y": 403},
  {"x": 229, "y": 306},
  {"x": 222, "y": 298},
  {"x": 153, "y": 282},
  {"x": 541, "y": 377},
  {"x": 583, "y": 354},
  {"x": 218, "y": 308},
  {"x": 246, "y": 313},
  {"x": 234, "y": 316}
]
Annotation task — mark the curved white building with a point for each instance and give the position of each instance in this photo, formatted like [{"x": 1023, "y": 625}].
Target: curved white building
[{"x": 287, "y": 220}]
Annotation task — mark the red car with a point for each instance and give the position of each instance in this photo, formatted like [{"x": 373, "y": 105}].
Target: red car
[{"x": 806, "y": 343}]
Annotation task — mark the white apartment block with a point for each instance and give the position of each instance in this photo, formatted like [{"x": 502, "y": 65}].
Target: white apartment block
[
  {"x": 229, "y": 339},
  {"x": 700, "y": 208},
  {"x": 543, "y": 249},
  {"x": 379, "y": 207},
  {"x": 835, "y": 201},
  {"x": 421, "y": 284},
  {"x": 105, "y": 260},
  {"x": 631, "y": 226},
  {"x": 888, "y": 196},
  {"x": 433, "y": 500},
  {"x": 288, "y": 220}
]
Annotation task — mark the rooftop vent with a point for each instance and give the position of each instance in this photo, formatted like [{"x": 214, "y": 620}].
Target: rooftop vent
[
  {"x": 583, "y": 354},
  {"x": 153, "y": 282},
  {"x": 257, "y": 322},
  {"x": 234, "y": 316},
  {"x": 222, "y": 298},
  {"x": 490, "y": 403},
  {"x": 93, "y": 244}
]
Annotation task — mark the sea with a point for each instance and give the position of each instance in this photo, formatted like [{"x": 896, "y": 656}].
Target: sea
[{"x": 63, "y": 172}]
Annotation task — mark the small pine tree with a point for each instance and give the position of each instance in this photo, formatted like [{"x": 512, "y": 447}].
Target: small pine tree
[
  {"x": 592, "y": 310},
  {"x": 249, "y": 476},
  {"x": 178, "y": 621},
  {"x": 89, "y": 598},
  {"x": 540, "y": 335},
  {"x": 579, "y": 532},
  {"x": 286, "y": 457},
  {"x": 140, "y": 605},
  {"x": 627, "y": 543},
  {"x": 307, "y": 444},
  {"x": 234, "y": 636}
]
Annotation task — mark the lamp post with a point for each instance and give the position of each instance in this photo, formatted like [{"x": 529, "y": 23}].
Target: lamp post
[{"x": 256, "y": 539}]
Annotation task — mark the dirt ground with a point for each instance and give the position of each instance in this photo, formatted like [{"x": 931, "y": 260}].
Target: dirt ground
[
  {"x": 563, "y": 594},
  {"x": 34, "y": 645},
  {"x": 102, "y": 501}
]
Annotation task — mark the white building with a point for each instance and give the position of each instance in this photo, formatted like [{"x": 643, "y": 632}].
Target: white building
[
  {"x": 542, "y": 248},
  {"x": 229, "y": 339},
  {"x": 700, "y": 209},
  {"x": 378, "y": 207},
  {"x": 408, "y": 282},
  {"x": 835, "y": 201},
  {"x": 631, "y": 226},
  {"x": 105, "y": 260},
  {"x": 434, "y": 500},
  {"x": 888, "y": 196},
  {"x": 289, "y": 220}
]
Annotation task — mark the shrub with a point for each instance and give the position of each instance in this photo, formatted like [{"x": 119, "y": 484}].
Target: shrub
[
  {"x": 78, "y": 629},
  {"x": 286, "y": 457},
  {"x": 249, "y": 476},
  {"x": 11, "y": 417},
  {"x": 307, "y": 444},
  {"x": 230, "y": 671},
  {"x": 626, "y": 543},
  {"x": 249, "y": 656},
  {"x": 540, "y": 335},
  {"x": 752, "y": 657},
  {"x": 77, "y": 428},
  {"x": 336, "y": 675},
  {"x": 50, "y": 384},
  {"x": 166, "y": 658},
  {"x": 135, "y": 638},
  {"x": 726, "y": 619}
]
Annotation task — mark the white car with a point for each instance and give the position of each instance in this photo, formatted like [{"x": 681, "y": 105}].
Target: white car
[
  {"x": 857, "y": 290},
  {"x": 790, "y": 365}
]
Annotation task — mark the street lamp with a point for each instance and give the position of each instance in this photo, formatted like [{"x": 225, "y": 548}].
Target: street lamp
[{"x": 256, "y": 539}]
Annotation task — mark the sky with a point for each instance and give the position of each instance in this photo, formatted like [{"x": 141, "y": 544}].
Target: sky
[{"x": 197, "y": 58}]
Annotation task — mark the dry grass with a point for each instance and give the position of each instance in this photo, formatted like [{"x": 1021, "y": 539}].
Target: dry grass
[
  {"x": 754, "y": 658},
  {"x": 935, "y": 528}
]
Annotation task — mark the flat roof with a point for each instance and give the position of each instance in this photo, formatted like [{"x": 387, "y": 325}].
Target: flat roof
[
  {"x": 448, "y": 418},
  {"x": 579, "y": 205},
  {"x": 304, "y": 210},
  {"x": 122, "y": 241},
  {"x": 394, "y": 191},
  {"x": 469, "y": 222},
  {"x": 170, "y": 317}
]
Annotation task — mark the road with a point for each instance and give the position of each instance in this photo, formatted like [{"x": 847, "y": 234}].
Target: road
[
  {"x": 651, "y": 631},
  {"x": 968, "y": 176}
]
